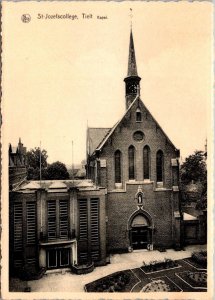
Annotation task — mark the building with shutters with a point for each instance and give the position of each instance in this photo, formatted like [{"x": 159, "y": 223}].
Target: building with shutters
[
  {"x": 129, "y": 201},
  {"x": 57, "y": 224}
]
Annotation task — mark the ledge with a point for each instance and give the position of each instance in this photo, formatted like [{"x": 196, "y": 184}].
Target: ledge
[{"x": 57, "y": 242}]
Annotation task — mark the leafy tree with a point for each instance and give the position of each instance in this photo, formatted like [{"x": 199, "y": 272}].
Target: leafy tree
[
  {"x": 194, "y": 170},
  {"x": 33, "y": 159},
  {"x": 57, "y": 170}
]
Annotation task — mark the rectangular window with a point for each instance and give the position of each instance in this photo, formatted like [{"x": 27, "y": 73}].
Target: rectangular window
[
  {"x": 52, "y": 258},
  {"x": 18, "y": 227},
  {"x": 64, "y": 257}
]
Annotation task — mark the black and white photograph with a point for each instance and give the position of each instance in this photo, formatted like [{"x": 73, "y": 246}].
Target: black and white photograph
[{"x": 107, "y": 150}]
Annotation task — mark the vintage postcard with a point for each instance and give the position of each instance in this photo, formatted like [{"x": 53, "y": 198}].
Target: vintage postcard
[{"x": 107, "y": 150}]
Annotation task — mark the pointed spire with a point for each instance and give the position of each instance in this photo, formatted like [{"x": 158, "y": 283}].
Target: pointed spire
[{"x": 132, "y": 67}]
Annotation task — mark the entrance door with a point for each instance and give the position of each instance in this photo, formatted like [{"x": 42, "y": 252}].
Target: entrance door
[
  {"x": 140, "y": 237},
  {"x": 57, "y": 258}
]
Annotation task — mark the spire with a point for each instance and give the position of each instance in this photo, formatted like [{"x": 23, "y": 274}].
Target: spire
[
  {"x": 132, "y": 67},
  {"x": 132, "y": 81}
]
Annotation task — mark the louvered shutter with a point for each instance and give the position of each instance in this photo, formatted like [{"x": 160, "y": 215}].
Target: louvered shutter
[
  {"x": 31, "y": 222},
  {"x": 83, "y": 231},
  {"x": 94, "y": 220},
  {"x": 63, "y": 219},
  {"x": 18, "y": 227},
  {"x": 52, "y": 220}
]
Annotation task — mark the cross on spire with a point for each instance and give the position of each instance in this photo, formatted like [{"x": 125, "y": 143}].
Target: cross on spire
[{"x": 131, "y": 16}]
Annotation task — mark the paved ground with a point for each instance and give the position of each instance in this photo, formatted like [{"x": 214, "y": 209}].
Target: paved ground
[{"x": 67, "y": 282}]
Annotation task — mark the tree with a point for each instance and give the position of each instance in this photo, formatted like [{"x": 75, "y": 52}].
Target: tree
[
  {"x": 194, "y": 170},
  {"x": 57, "y": 170},
  {"x": 33, "y": 159}
]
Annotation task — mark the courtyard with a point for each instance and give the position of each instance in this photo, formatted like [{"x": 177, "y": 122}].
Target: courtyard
[{"x": 64, "y": 280}]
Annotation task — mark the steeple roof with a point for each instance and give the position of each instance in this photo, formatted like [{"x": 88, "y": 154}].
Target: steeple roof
[{"x": 132, "y": 67}]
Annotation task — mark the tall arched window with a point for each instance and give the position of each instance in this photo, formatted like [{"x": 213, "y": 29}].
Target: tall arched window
[
  {"x": 117, "y": 160},
  {"x": 159, "y": 166},
  {"x": 146, "y": 162},
  {"x": 131, "y": 162}
]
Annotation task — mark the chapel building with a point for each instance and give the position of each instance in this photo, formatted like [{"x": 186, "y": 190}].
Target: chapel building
[{"x": 139, "y": 166}]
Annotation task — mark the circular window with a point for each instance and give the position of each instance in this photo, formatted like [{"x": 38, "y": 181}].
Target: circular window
[{"x": 138, "y": 136}]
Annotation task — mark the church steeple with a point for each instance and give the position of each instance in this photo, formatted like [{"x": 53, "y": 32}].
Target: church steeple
[
  {"x": 132, "y": 80},
  {"x": 132, "y": 67}
]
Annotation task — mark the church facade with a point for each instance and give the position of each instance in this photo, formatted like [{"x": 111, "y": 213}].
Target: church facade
[{"x": 139, "y": 166}]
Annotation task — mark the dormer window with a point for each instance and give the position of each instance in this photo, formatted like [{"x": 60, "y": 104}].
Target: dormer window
[{"x": 138, "y": 115}]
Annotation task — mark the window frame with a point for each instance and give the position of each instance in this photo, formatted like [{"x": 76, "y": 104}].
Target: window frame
[
  {"x": 160, "y": 173},
  {"x": 131, "y": 163},
  {"x": 147, "y": 162},
  {"x": 118, "y": 166}
]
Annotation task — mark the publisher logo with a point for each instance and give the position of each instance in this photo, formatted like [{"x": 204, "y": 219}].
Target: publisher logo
[{"x": 26, "y": 18}]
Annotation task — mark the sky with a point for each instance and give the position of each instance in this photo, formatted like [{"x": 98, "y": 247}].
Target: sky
[{"x": 60, "y": 75}]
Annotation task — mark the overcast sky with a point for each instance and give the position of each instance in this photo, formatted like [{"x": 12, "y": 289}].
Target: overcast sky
[{"x": 60, "y": 73}]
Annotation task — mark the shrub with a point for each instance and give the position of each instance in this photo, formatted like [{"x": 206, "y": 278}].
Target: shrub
[
  {"x": 159, "y": 265},
  {"x": 114, "y": 283},
  {"x": 200, "y": 258}
]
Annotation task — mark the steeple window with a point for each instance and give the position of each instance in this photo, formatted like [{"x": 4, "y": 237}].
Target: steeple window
[{"x": 138, "y": 115}]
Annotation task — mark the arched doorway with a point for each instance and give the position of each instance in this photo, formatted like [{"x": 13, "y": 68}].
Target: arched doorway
[{"x": 140, "y": 232}]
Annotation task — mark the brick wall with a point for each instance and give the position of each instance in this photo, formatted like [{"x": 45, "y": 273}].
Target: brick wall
[{"x": 159, "y": 204}]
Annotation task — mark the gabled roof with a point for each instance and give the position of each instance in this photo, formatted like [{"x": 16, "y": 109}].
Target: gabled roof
[
  {"x": 99, "y": 146},
  {"x": 94, "y": 137}
]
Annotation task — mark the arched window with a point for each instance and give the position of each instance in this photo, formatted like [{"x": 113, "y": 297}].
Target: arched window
[
  {"x": 138, "y": 115},
  {"x": 131, "y": 162},
  {"x": 159, "y": 166},
  {"x": 146, "y": 162},
  {"x": 117, "y": 160}
]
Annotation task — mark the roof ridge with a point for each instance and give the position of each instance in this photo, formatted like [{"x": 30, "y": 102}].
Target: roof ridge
[{"x": 114, "y": 127}]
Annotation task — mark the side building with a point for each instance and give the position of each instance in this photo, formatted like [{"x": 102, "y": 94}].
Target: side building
[{"x": 57, "y": 224}]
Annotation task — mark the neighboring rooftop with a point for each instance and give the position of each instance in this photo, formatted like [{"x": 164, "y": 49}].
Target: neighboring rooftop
[
  {"x": 56, "y": 185},
  {"x": 94, "y": 137}
]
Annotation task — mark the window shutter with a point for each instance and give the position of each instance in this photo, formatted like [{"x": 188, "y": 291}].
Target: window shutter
[
  {"x": 83, "y": 230},
  {"x": 94, "y": 220},
  {"x": 31, "y": 222},
  {"x": 63, "y": 210},
  {"x": 18, "y": 227},
  {"x": 52, "y": 220}
]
